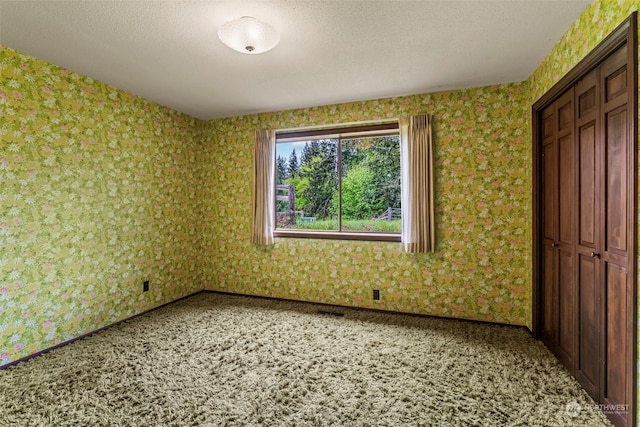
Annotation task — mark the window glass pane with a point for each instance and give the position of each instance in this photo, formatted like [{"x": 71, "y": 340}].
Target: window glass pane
[
  {"x": 371, "y": 185},
  {"x": 307, "y": 184},
  {"x": 339, "y": 180}
]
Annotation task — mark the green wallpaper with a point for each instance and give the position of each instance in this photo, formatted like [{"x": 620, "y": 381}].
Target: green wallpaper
[
  {"x": 596, "y": 22},
  {"x": 481, "y": 268},
  {"x": 96, "y": 195}
]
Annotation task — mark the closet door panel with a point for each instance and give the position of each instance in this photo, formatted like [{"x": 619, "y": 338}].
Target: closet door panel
[
  {"x": 551, "y": 192},
  {"x": 616, "y": 375},
  {"x": 587, "y": 369},
  {"x": 616, "y": 181},
  {"x": 566, "y": 190},
  {"x": 587, "y": 231},
  {"x": 587, "y": 98},
  {"x": 566, "y": 308},
  {"x": 616, "y": 84},
  {"x": 614, "y": 76},
  {"x": 550, "y": 291}
]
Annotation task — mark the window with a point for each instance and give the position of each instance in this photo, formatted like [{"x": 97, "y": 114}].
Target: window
[{"x": 341, "y": 183}]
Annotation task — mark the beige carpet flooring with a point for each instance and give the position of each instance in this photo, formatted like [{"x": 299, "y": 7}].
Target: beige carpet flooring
[{"x": 220, "y": 360}]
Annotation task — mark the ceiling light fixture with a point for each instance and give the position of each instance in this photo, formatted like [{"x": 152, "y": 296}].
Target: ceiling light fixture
[{"x": 248, "y": 35}]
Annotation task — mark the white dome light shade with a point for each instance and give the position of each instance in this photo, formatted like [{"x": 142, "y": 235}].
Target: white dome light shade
[{"x": 248, "y": 35}]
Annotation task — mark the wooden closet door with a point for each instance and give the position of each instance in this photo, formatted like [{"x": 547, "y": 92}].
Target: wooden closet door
[
  {"x": 616, "y": 237},
  {"x": 586, "y": 227},
  {"x": 559, "y": 288},
  {"x": 605, "y": 307},
  {"x": 549, "y": 324},
  {"x": 587, "y": 368}
]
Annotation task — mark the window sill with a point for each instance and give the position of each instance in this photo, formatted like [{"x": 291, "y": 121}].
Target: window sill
[{"x": 306, "y": 234}]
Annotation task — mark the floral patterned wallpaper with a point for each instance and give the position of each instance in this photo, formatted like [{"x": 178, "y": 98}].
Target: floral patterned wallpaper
[
  {"x": 598, "y": 20},
  {"x": 96, "y": 195},
  {"x": 481, "y": 269}
]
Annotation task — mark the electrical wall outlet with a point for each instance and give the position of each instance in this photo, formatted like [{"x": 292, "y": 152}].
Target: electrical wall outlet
[
  {"x": 376, "y": 294},
  {"x": 145, "y": 286}
]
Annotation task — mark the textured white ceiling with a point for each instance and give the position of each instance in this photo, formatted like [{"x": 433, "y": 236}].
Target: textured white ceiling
[{"x": 330, "y": 51}]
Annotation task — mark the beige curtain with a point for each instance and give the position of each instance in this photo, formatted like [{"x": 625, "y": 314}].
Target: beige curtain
[
  {"x": 416, "y": 155},
  {"x": 264, "y": 188}
]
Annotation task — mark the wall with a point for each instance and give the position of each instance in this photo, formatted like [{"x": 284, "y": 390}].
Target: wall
[
  {"x": 101, "y": 190},
  {"x": 597, "y": 21},
  {"x": 96, "y": 195},
  {"x": 481, "y": 269}
]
